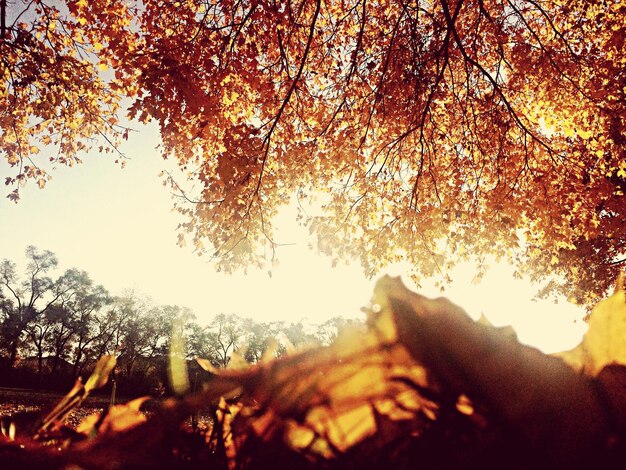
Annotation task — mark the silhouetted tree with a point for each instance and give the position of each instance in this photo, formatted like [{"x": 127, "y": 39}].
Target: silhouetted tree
[{"x": 27, "y": 300}]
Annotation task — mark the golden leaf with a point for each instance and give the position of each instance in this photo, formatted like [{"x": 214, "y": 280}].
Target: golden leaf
[
  {"x": 206, "y": 365},
  {"x": 177, "y": 364},
  {"x": 605, "y": 341},
  {"x": 100, "y": 375},
  {"x": 117, "y": 418}
]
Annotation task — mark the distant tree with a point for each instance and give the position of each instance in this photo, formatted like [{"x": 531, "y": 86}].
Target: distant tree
[
  {"x": 217, "y": 341},
  {"x": 135, "y": 335},
  {"x": 81, "y": 310},
  {"x": 37, "y": 333},
  {"x": 164, "y": 319},
  {"x": 259, "y": 336},
  {"x": 328, "y": 331},
  {"x": 26, "y": 301},
  {"x": 299, "y": 335},
  {"x": 67, "y": 322},
  {"x": 59, "y": 339},
  {"x": 199, "y": 343}
]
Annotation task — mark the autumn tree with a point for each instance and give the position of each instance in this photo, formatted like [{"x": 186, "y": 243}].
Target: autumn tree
[
  {"x": 430, "y": 132},
  {"x": 135, "y": 335},
  {"x": 59, "y": 339},
  {"x": 259, "y": 337},
  {"x": 167, "y": 321}
]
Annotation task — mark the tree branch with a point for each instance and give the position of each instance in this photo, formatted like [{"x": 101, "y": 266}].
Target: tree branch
[{"x": 294, "y": 83}]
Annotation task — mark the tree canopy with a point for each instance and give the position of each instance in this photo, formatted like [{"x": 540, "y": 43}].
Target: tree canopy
[{"x": 430, "y": 132}]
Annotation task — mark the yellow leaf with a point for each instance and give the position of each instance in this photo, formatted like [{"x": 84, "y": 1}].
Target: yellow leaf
[
  {"x": 177, "y": 370},
  {"x": 237, "y": 361},
  {"x": 118, "y": 418},
  {"x": 344, "y": 429},
  {"x": 300, "y": 437},
  {"x": 103, "y": 67},
  {"x": 227, "y": 100},
  {"x": 464, "y": 405},
  {"x": 206, "y": 365},
  {"x": 605, "y": 342},
  {"x": 271, "y": 351},
  {"x": 88, "y": 424},
  {"x": 100, "y": 375}
]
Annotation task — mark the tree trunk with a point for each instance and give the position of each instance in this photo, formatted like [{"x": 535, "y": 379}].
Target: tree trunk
[
  {"x": 39, "y": 367},
  {"x": 76, "y": 368},
  {"x": 13, "y": 353}
]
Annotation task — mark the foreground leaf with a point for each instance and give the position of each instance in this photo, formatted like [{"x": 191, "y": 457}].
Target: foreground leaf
[
  {"x": 605, "y": 341},
  {"x": 552, "y": 408}
]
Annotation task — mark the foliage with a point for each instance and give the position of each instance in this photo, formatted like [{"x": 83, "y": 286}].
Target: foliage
[
  {"x": 55, "y": 96},
  {"x": 435, "y": 132},
  {"x": 421, "y": 384}
]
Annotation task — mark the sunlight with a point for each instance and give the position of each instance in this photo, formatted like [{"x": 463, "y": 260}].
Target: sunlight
[
  {"x": 122, "y": 232},
  {"x": 304, "y": 279},
  {"x": 548, "y": 326},
  {"x": 504, "y": 300},
  {"x": 129, "y": 243}
]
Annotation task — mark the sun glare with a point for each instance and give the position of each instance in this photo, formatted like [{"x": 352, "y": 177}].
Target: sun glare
[
  {"x": 504, "y": 300},
  {"x": 121, "y": 231}
]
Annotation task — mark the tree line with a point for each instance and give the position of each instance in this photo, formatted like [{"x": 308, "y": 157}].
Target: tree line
[{"x": 54, "y": 327}]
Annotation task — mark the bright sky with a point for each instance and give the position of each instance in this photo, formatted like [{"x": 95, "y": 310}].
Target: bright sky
[{"x": 117, "y": 224}]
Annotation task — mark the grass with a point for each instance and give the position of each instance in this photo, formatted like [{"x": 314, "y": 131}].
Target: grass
[{"x": 17, "y": 400}]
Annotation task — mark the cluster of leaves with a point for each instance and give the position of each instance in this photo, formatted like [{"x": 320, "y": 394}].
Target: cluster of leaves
[
  {"x": 54, "y": 94},
  {"x": 436, "y": 131},
  {"x": 422, "y": 383}
]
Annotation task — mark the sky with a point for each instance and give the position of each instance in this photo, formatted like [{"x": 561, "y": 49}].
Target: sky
[{"x": 118, "y": 225}]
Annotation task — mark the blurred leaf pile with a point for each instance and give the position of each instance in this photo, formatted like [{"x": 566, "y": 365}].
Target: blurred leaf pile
[{"x": 420, "y": 386}]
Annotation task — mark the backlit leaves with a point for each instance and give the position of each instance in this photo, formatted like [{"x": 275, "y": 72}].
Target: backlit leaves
[
  {"x": 325, "y": 401},
  {"x": 422, "y": 367},
  {"x": 432, "y": 132},
  {"x": 100, "y": 375},
  {"x": 605, "y": 342},
  {"x": 55, "y": 100},
  {"x": 117, "y": 418},
  {"x": 49, "y": 425}
]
